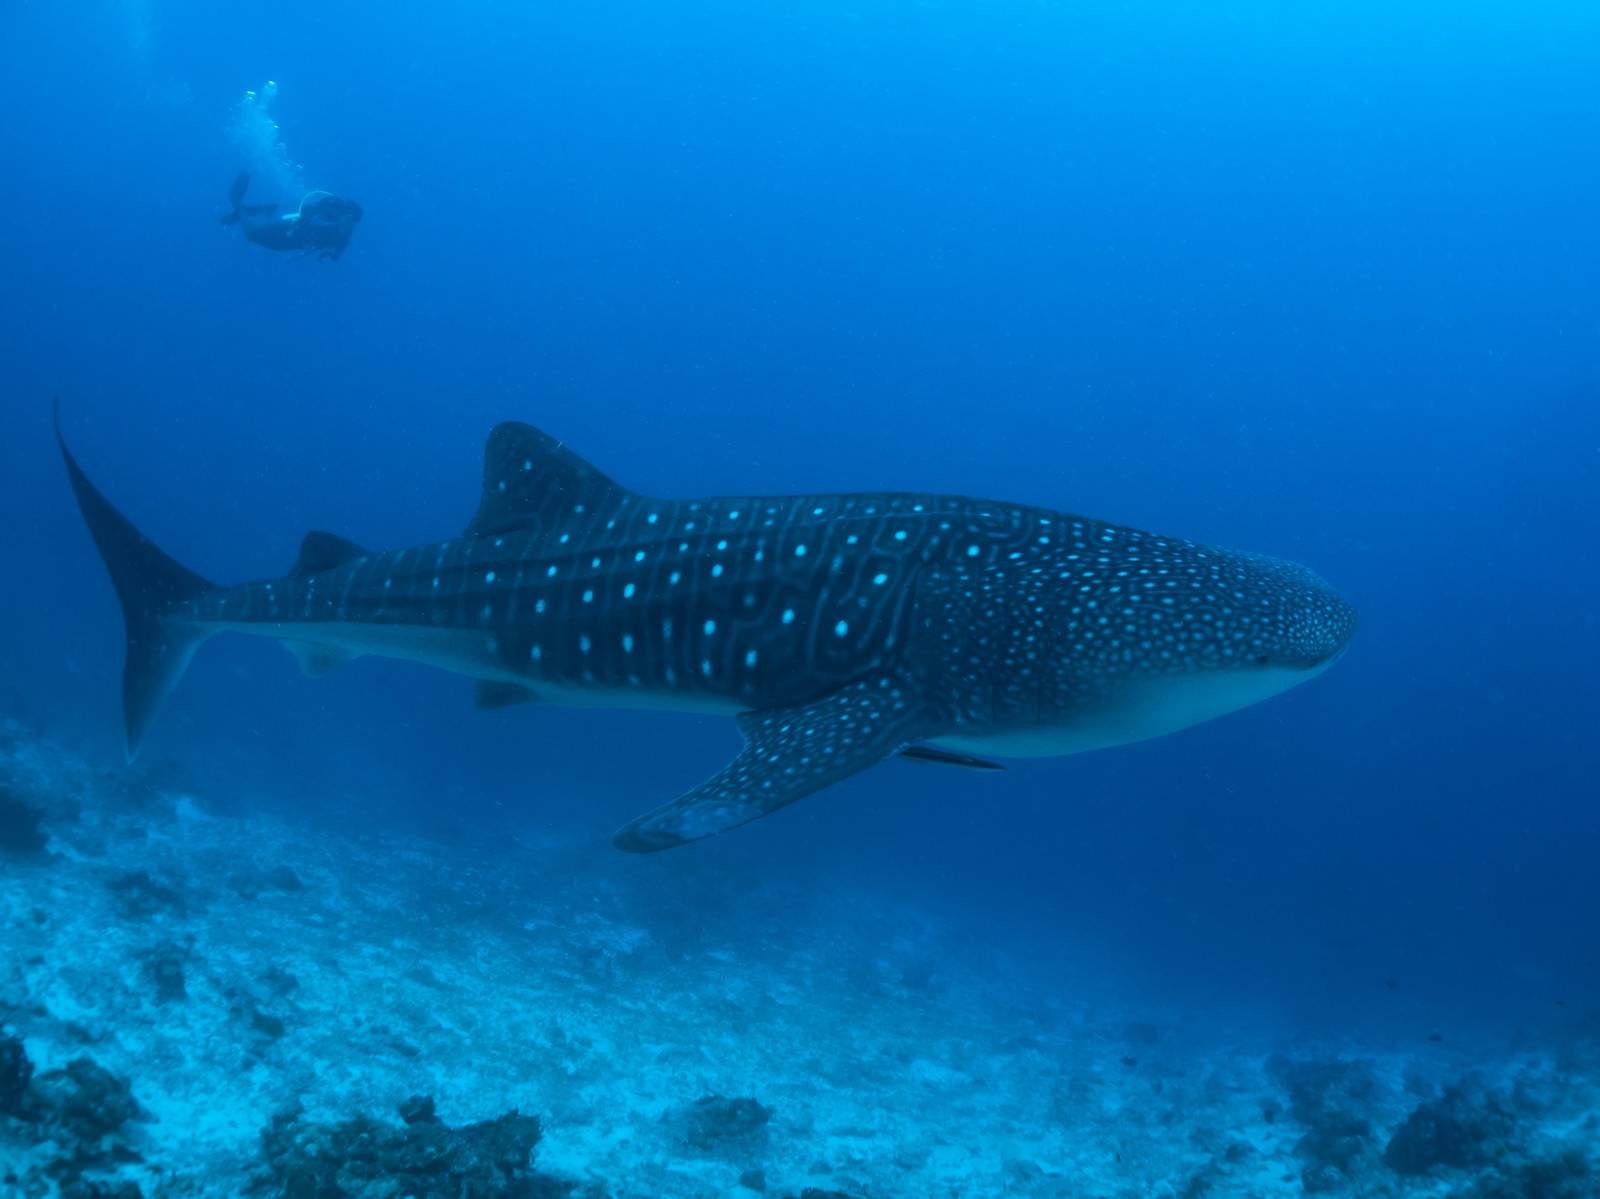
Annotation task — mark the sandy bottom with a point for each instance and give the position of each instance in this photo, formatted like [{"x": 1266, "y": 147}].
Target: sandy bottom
[{"x": 346, "y": 973}]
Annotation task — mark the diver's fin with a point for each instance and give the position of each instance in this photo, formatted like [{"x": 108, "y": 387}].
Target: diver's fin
[
  {"x": 788, "y": 754},
  {"x": 321, "y": 551},
  {"x": 487, "y": 693},
  {"x": 241, "y": 184},
  {"x": 946, "y": 757},
  {"x": 531, "y": 481},
  {"x": 317, "y": 659},
  {"x": 151, "y": 586}
]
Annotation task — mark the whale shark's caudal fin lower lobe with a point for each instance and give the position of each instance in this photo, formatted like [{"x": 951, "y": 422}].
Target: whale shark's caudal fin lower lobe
[{"x": 150, "y": 585}]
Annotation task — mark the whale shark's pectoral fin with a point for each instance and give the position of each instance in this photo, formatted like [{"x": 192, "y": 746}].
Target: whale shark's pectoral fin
[
  {"x": 489, "y": 694},
  {"x": 788, "y": 754},
  {"x": 947, "y": 757},
  {"x": 317, "y": 659}
]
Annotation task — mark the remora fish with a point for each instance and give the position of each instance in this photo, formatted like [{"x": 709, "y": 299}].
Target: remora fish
[{"x": 840, "y": 630}]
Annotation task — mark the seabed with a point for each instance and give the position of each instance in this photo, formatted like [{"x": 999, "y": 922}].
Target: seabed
[{"x": 200, "y": 1001}]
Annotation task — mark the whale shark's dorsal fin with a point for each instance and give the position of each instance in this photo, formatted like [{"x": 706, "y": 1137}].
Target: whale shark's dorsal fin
[{"x": 531, "y": 481}]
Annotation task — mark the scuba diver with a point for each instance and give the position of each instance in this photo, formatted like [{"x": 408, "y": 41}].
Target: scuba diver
[{"x": 322, "y": 224}]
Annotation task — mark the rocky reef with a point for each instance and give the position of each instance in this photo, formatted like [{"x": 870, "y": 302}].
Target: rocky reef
[
  {"x": 420, "y": 1158},
  {"x": 63, "y": 1132}
]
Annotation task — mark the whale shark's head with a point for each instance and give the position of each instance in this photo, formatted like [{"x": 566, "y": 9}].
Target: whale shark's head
[
  {"x": 1284, "y": 616},
  {"x": 1261, "y": 625},
  {"x": 1148, "y": 635},
  {"x": 1239, "y": 628}
]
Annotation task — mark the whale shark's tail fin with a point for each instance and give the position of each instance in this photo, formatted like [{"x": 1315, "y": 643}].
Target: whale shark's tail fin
[{"x": 151, "y": 586}]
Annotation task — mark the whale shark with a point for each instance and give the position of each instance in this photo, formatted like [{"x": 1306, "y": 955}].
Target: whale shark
[{"x": 839, "y": 630}]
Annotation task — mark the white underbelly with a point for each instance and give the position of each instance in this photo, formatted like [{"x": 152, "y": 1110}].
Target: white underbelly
[
  {"x": 1148, "y": 709},
  {"x": 470, "y": 653}
]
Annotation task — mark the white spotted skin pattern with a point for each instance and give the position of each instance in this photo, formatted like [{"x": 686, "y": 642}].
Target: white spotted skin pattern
[
  {"x": 842, "y": 629},
  {"x": 1057, "y": 612},
  {"x": 788, "y": 754},
  {"x": 1005, "y": 616},
  {"x": 764, "y": 601},
  {"x": 1009, "y": 616}
]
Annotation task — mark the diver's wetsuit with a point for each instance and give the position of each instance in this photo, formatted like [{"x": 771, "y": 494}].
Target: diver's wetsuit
[{"x": 323, "y": 222}]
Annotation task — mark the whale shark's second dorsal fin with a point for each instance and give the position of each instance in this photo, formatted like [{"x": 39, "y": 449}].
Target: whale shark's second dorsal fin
[
  {"x": 531, "y": 481},
  {"x": 324, "y": 551}
]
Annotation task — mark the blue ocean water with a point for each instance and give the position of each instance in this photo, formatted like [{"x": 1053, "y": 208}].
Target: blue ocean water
[{"x": 1314, "y": 280}]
